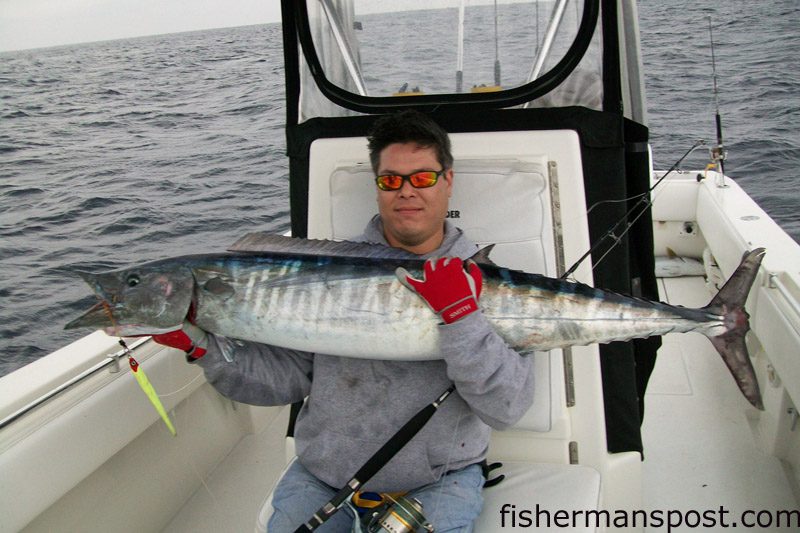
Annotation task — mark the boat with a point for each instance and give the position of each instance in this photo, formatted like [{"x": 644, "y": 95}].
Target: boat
[{"x": 552, "y": 161}]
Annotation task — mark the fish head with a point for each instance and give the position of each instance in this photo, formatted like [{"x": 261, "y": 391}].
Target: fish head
[{"x": 146, "y": 300}]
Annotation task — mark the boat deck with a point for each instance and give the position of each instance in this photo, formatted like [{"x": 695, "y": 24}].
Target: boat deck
[
  {"x": 231, "y": 497},
  {"x": 700, "y": 451}
]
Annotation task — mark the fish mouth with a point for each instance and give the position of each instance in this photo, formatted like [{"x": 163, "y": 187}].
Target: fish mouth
[
  {"x": 120, "y": 312},
  {"x": 99, "y": 316}
]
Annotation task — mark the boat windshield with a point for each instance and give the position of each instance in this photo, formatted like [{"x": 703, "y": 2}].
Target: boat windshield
[{"x": 412, "y": 48}]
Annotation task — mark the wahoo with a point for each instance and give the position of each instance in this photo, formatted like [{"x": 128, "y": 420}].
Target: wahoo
[{"x": 344, "y": 299}]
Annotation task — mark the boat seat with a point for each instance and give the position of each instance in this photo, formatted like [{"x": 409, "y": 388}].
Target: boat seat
[
  {"x": 560, "y": 491},
  {"x": 509, "y": 201},
  {"x": 504, "y": 201},
  {"x": 266, "y": 508}
]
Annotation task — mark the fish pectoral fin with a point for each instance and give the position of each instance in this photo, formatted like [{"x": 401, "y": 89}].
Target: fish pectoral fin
[{"x": 219, "y": 287}]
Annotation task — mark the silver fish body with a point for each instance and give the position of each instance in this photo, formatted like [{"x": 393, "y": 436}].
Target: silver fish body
[
  {"x": 354, "y": 306},
  {"x": 355, "y": 310}
]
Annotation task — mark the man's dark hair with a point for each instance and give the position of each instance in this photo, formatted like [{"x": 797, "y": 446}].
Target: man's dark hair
[{"x": 408, "y": 127}]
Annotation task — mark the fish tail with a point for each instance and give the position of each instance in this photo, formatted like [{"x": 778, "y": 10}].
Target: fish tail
[{"x": 729, "y": 304}]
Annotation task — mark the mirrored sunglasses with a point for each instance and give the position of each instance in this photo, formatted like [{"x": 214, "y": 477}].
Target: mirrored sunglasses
[{"x": 419, "y": 180}]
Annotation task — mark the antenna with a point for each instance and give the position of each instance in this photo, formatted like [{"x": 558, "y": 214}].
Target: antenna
[{"x": 718, "y": 151}]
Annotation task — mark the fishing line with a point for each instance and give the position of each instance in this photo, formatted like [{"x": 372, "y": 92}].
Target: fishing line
[
  {"x": 138, "y": 372},
  {"x": 630, "y": 224},
  {"x": 196, "y": 471},
  {"x": 187, "y": 457},
  {"x": 583, "y": 217},
  {"x": 173, "y": 393},
  {"x": 642, "y": 205},
  {"x": 623, "y": 200},
  {"x": 446, "y": 468}
]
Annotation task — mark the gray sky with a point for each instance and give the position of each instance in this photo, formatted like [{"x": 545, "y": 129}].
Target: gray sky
[{"x": 37, "y": 23}]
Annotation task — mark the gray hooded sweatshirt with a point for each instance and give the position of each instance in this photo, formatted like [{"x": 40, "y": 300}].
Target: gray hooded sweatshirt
[{"x": 353, "y": 406}]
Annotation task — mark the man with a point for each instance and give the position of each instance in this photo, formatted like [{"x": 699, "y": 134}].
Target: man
[{"x": 353, "y": 406}]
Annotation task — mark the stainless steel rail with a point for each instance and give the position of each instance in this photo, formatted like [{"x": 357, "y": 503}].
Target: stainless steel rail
[
  {"x": 348, "y": 55},
  {"x": 556, "y": 17},
  {"x": 111, "y": 359}
]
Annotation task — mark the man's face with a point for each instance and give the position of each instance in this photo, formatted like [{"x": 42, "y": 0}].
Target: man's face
[{"x": 413, "y": 219}]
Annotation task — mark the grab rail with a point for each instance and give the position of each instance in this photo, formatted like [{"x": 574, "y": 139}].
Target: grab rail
[
  {"x": 111, "y": 359},
  {"x": 777, "y": 284}
]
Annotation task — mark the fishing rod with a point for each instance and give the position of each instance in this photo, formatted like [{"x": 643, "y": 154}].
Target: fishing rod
[
  {"x": 644, "y": 203},
  {"x": 375, "y": 463},
  {"x": 718, "y": 151},
  {"x": 496, "y": 50},
  {"x": 460, "y": 52},
  {"x": 717, "y": 157}
]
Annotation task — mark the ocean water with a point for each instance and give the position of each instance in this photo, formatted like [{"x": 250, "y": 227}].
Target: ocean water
[
  {"x": 757, "y": 50},
  {"x": 117, "y": 152}
]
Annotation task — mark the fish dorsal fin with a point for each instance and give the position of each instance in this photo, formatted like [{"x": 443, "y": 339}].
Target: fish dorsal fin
[{"x": 263, "y": 242}]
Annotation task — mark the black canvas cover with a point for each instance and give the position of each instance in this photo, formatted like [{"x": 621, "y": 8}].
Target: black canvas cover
[{"x": 615, "y": 167}]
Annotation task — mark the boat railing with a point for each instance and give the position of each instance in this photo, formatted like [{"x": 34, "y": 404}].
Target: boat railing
[
  {"x": 776, "y": 283},
  {"x": 110, "y": 361},
  {"x": 543, "y": 52},
  {"x": 348, "y": 54}
]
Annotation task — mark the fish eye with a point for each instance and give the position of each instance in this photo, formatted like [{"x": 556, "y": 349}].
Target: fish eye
[{"x": 133, "y": 280}]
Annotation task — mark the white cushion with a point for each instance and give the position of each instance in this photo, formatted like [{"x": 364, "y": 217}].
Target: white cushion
[
  {"x": 532, "y": 490},
  {"x": 520, "y": 230}
]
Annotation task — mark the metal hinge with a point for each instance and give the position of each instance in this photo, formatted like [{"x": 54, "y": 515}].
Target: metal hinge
[
  {"x": 569, "y": 377},
  {"x": 555, "y": 209},
  {"x": 573, "y": 453},
  {"x": 558, "y": 241}
]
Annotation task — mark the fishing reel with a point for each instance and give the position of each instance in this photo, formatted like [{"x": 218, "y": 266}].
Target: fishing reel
[{"x": 401, "y": 515}]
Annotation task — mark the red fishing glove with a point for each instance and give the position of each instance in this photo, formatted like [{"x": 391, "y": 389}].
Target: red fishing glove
[
  {"x": 187, "y": 339},
  {"x": 447, "y": 288}
]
